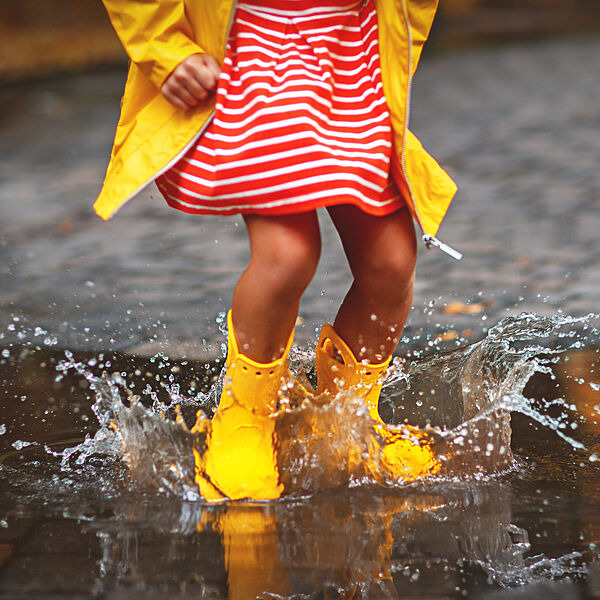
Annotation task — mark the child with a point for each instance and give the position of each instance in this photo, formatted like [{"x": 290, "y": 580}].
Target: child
[{"x": 272, "y": 109}]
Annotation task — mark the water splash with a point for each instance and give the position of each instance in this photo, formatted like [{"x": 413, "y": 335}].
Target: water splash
[
  {"x": 535, "y": 569},
  {"x": 462, "y": 399},
  {"x": 157, "y": 450},
  {"x": 468, "y": 394}
]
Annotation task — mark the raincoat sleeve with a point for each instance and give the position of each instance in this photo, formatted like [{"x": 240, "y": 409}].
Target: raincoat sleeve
[{"x": 155, "y": 34}]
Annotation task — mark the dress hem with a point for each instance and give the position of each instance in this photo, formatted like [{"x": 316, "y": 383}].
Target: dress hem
[{"x": 290, "y": 209}]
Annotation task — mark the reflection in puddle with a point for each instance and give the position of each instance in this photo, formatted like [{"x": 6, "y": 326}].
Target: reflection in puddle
[
  {"x": 487, "y": 520},
  {"x": 359, "y": 545}
]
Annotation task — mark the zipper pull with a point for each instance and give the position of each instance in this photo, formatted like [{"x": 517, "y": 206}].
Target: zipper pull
[{"x": 433, "y": 241}]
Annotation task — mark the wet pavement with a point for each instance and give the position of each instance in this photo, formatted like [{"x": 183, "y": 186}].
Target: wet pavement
[{"x": 518, "y": 128}]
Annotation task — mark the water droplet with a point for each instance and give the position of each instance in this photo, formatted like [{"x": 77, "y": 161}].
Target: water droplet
[
  {"x": 20, "y": 444},
  {"x": 2, "y": 429},
  {"x": 593, "y": 457}
]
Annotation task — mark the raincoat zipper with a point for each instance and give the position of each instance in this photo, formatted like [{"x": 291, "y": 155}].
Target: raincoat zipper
[
  {"x": 428, "y": 239},
  {"x": 184, "y": 150}
]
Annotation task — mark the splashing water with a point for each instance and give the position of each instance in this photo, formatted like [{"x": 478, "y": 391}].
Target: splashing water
[
  {"x": 462, "y": 399},
  {"x": 485, "y": 520}
]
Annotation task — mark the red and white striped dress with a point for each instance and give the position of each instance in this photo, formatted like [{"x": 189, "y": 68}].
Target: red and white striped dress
[{"x": 300, "y": 121}]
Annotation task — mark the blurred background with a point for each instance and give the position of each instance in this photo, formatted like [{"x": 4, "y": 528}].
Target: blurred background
[
  {"x": 506, "y": 100},
  {"x": 41, "y": 37}
]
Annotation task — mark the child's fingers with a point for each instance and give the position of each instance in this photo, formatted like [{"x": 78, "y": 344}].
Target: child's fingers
[
  {"x": 189, "y": 96},
  {"x": 173, "y": 98},
  {"x": 198, "y": 68},
  {"x": 213, "y": 65},
  {"x": 177, "y": 92},
  {"x": 190, "y": 85},
  {"x": 191, "y": 81}
]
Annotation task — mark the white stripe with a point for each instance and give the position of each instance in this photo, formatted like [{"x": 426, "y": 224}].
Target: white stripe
[
  {"x": 330, "y": 29},
  {"x": 364, "y": 50},
  {"x": 283, "y": 77},
  {"x": 291, "y": 13},
  {"x": 283, "y": 154},
  {"x": 299, "y": 200},
  {"x": 280, "y": 62},
  {"x": 302, "y": 84},
  {"x": 317, "y": 78},
  {"x": 320, "y": 76},
  {"x": 303, "y": 18},
  {"x": 364, "y": 109},
  {"x": 260, "y": 56},
  {"x": 314, "y": 71},
  {"x": 280, "y": 187},
  {"x": 306, "y": 32},
  {"x": 287, "y": 169},
  {"x": 306, "y": 107},
  {"x": 365, "y": 80},
  {"x": 264, "y": 42},
  {"x": 340, "y": 57},
  {"x": 281, "y": 139},
  {"x": 283, "y": 63},
  {"x": 231, "y": 138},
  {"x": 324, "y": 38}
]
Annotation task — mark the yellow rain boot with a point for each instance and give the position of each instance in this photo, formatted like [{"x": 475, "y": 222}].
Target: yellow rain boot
[
  {"x": 238, "y": 459},
  {"x": 406, "y": 453}
]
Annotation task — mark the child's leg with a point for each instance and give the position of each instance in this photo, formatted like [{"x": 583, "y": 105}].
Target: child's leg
[
  {"x": 381, "y": 252},
  {"x": 284, "y": 252},
  {"x": 238, "y": 457}
]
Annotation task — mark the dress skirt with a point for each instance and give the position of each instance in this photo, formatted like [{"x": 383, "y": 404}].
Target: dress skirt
[{"x": 300, "y": 120}]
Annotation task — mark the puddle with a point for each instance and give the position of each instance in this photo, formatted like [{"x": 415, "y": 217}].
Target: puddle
[{"x": 118, "y": 512}]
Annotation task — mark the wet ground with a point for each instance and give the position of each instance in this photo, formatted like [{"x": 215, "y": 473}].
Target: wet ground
[{"x": 518, "y": 128}]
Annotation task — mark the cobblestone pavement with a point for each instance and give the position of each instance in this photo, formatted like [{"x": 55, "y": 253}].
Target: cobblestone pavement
[{"x": 517, "y": 126}]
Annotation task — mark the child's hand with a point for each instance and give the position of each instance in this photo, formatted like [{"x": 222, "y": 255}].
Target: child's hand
[{"x": 191, "y": 81}]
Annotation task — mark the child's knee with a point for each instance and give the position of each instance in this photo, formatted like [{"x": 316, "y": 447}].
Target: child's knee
[
  {"x": 296, "y": 259},
  {"x": 291, "y": 262},
  {"x": 388, "y": 275}
]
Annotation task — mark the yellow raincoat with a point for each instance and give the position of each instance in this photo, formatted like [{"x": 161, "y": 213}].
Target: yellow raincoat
[{"x": 152, "y": 134}]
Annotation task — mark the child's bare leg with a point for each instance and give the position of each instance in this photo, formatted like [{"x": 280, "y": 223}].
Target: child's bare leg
[
  {"x": 381, "y": 252},
  {"x": 284, "y": 252}
]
